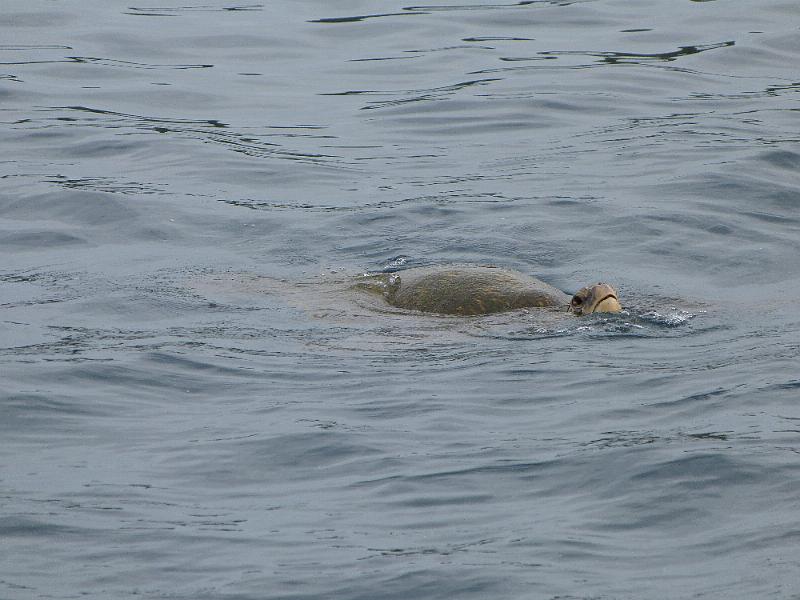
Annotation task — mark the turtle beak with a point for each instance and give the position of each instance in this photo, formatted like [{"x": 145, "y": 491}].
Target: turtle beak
[
  {"x": 608, "y": 304},
  {"x": 603, "y": 299}
]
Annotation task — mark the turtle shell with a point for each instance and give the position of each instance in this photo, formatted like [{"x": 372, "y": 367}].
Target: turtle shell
[{"x": 469, "y": 290}]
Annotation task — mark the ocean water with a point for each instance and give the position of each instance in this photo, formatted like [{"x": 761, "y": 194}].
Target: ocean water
[{"x": 195, "y": 406}]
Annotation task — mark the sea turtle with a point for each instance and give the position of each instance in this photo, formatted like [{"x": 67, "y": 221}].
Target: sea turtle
[{"x": 480, "y": 290}]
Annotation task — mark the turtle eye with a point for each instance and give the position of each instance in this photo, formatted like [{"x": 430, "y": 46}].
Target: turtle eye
[{"x": 577, "y": 301}]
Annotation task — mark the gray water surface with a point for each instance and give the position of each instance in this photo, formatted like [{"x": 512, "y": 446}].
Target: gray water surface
[{"x": 194, "y": 406}]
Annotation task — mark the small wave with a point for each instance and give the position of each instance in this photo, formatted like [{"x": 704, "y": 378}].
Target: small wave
[
  {"x": 173, "y": 11},
  {"x": 415, "y": 95},
  {"x": 602, "y": 59},
  {"x": 33, "y": 47},
  {"x": 512, "y": 5},
  {"x": 257, "y": 144},
  {"x": 110, "y": 62},
  {"x": 637, "y": 58},
  {"x": 359, "y": 18},
  {"x": 110, "y": 185}
]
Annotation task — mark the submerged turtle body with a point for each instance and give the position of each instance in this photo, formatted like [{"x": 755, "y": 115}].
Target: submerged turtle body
[
  {"x": 473, "y": 290},
  {"x": 469, "y": 290}
]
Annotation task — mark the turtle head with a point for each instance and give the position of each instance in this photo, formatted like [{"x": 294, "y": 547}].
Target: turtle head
[{"x": 600, "y": 297}]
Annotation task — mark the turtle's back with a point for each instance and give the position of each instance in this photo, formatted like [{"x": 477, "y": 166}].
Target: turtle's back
[{"x": 470, "y": 290}]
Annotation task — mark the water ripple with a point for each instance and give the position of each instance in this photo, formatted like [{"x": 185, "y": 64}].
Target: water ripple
[
  {"x": 360, "y": 18},
  {"x": 418, "y": 95},
  {"x": 173, "y": 11},
  {"x": 256, "y": 143},
  {"x": 110, "y": 62}
]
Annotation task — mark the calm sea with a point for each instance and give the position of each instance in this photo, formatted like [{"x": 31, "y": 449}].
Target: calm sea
[{"x": 194, "y": 407}]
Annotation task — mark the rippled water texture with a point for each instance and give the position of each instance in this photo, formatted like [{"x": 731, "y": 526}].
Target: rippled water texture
[{"x": 195, "y": 405}]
